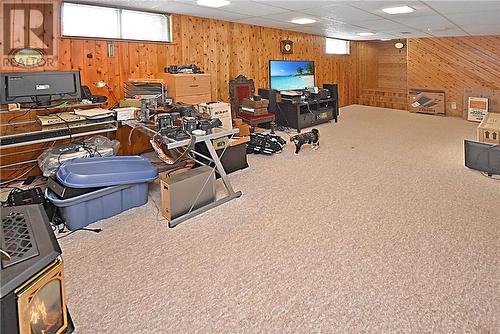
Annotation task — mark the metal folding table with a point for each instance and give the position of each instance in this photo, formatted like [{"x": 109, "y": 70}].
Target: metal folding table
[{"x": 214, "y": 158}]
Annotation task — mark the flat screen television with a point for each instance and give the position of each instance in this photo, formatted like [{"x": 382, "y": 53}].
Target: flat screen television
[
  {"x": 39, "y": 88},
  {"x": 291, "y": 74},
  {"x": 482, "y": 157}
]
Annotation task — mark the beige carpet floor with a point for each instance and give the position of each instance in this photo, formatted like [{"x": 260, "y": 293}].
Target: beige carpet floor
[{"x": 382, "y": 230}]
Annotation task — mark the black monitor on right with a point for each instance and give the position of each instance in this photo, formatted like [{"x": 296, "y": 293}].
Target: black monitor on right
[
  {"x": 39, "y": 88},
  {"x": 482, "y": 157}
]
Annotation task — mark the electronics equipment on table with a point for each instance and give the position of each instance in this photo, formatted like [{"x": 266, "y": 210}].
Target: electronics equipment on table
[
  {"x": 482, "y": 157},
  {"x": 25, "y": 197},
  {"x": 139, "y": 89},
  {"x": 175, "y": 132},
  {"x": 208, "y": 124},
  {"x": 146, "y": 106},
  {"x": 94, "y": 113},
  {"x": 39, "y": 88},
  {"x": 291, "y": 93},
  {"x": 313, "y": 90},
  {"x": 175, "y": 69},
  {"x": 186, "y": 109},
  {"x": 164, "y": 121},
  {"x": 271, "y": 96},
  {"x": 189, "y": 190},
  {"x": 291, "y": 74},
  {"x": 189, "y": 124},
  {"x": 125, "y": 114},
  {"x": 60, "y": 119},
  {"x": 87, "y": 95}
]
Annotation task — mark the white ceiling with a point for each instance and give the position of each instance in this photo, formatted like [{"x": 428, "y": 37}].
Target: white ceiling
[{"x": 345, "y": 19}]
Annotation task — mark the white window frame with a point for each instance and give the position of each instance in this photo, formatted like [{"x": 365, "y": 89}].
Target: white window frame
[
  {"x": 336, "y": 52},
  {"x": 168, "y": 17}
]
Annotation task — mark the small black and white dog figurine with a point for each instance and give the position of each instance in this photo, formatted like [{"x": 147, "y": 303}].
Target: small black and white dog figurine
[{"x": 306, "y": 138}]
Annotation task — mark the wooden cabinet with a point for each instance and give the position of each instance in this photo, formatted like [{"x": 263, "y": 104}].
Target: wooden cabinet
[{"x": 188, "y": 88}]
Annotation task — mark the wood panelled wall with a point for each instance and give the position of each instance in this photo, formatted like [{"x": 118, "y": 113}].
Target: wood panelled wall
[
  {"x": 224, "y": 49},
  {"x": 452, "y": 64},
  {"x": 381, "y": 65}
]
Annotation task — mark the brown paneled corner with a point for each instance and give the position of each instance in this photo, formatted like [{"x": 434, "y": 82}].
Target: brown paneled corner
[{"x": 452, "y": 64}]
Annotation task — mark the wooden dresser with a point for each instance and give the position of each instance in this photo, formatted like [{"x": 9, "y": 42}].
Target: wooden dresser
[{"x": 188, "y": 88}]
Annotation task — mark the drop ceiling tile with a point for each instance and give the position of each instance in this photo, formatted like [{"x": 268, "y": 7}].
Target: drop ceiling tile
[
  {"x": 480, "y": 29},
  {"x": 490, "y": 17},
  {"x": 190, "y": 8},
  {"x": 375, "y": 7},
  {"x": 381, "y": 25},
  {"x": 252, "y": 8},
  {"x": 427, "y": 22},
  {"x": 296, "y": 5},
  {"x": 343, "y": 13},
  {"x": 457, "y": 7},
  {"x": 448, "y": 32},
  {"x": 288, "y": 16},
  {"x": 413, "y": 33},
  {"x": 259, "y": 21}
]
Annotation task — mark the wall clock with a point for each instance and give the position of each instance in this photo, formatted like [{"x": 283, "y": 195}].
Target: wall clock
[
  {"x": 286, "y": 47},
  {"x": 399, "y": 45}
]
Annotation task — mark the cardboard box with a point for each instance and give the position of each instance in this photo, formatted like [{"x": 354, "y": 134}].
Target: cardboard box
[
  {"x": 493, "y": 96},
  {"x": 220, "y": 110},
  {"x": 477, "y": 108},
  {"x": 488, "y": 130},
  {"x": 427, "y": 101}
]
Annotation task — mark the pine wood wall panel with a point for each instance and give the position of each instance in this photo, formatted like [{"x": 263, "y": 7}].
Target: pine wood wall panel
[{"x": 452, "y": 64}]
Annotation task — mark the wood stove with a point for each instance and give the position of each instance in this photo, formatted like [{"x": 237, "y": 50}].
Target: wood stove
[{"x": 32, "y": 278}]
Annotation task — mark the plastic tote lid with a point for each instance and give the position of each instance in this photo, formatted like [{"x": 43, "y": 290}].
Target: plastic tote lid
[{"x": 105, "y": 171}]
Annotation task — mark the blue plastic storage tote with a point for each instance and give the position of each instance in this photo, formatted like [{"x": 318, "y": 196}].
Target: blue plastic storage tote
[
  {"x": 125, "y": 178},
  {"x": 86, "y": 209},
  {"x": 105, "y": 171}
]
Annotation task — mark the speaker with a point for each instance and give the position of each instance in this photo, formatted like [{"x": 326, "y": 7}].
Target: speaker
[
  {"x": 334, "y": 92},
  {"x": 269, "y": 94}
]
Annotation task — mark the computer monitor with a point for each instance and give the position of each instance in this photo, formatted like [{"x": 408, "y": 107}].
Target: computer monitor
[
  {"x": 482, "y": 157},
  {"x": 39, "y": 88},
  {"x": 291, "y": 74}
]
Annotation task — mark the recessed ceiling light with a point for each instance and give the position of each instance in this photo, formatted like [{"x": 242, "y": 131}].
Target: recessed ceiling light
[
  {"x": 398, "y": 10},
  {"x": 365, "y": 33},
  {"x": 213, "y": 3},
  {"x": 303, "y": 20},
  {"x": 385, "y": 39}
]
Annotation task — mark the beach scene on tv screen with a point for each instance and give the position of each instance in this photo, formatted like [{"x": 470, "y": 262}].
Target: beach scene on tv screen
[{"x": 290, "y": 75}]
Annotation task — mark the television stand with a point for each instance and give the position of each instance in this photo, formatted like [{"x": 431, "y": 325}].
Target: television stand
[{"x": 304, "y": 114}]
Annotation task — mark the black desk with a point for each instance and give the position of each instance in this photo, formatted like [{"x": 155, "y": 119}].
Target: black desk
[{"x": 302, "y": 115}]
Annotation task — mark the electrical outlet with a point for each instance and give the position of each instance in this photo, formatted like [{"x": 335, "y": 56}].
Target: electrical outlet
[{"x": 453, "y": 105}]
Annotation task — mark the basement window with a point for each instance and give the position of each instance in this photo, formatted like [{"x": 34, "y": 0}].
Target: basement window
[
  {"x": 79, "y": 20},
  {"x": 337, "y": 46}
]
